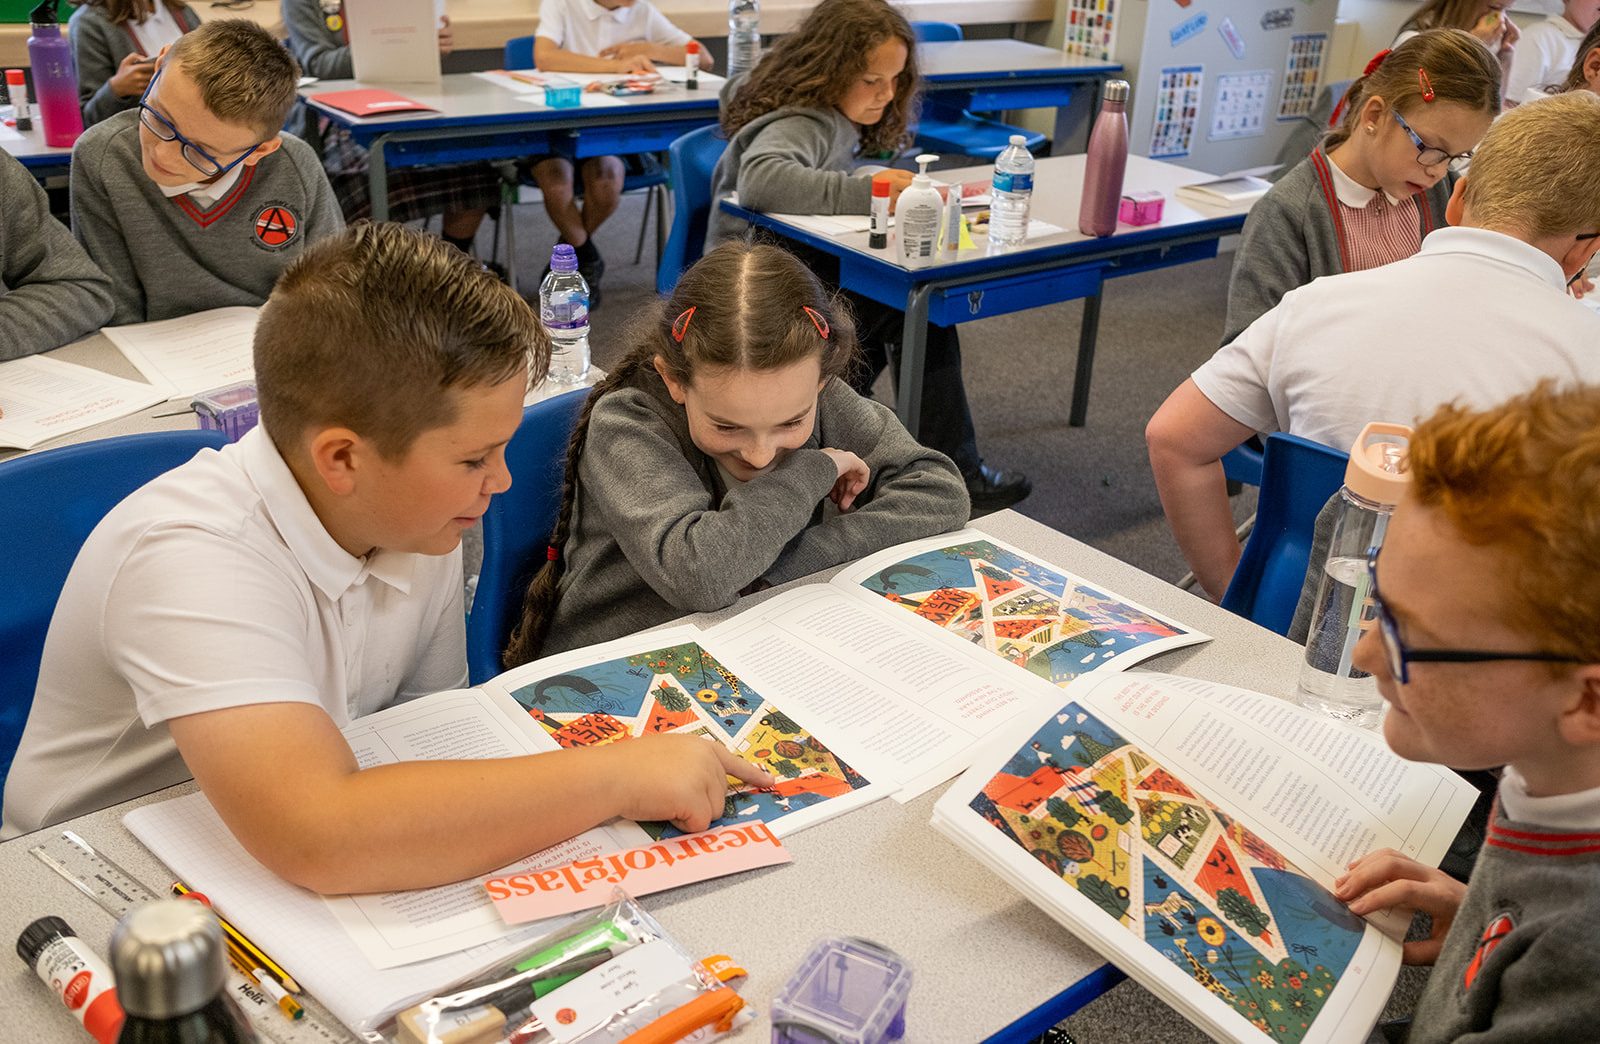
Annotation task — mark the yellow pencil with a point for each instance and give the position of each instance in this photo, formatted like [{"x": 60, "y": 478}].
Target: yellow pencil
[
  {"x": 180, "y": 889},
  {"x": 263, "y": 980}
]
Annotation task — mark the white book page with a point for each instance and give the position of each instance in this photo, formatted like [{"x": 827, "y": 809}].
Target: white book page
[
  {"x": 395, "y": 928},
  {"x": 45, "y": 398},
  {"x": 677, "y": 680},
  {"x": 393, "y": 41},
  {"x": 193, "y": 353},
  {"x": 896, "y": 701}
]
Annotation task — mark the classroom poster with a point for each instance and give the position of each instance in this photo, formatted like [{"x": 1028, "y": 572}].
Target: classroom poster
[
  {"x": 1240, "y": 110},
  {"x": 1301, "y": 74},
  {"x": 1177, "y": 111},
  {"x": 1091, "y": 30},
  {"x": 1201, "y": 888},
  {"x": 683, "y": 688}
]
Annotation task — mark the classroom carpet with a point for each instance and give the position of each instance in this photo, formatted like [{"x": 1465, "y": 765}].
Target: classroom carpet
[{"x": 1093, "y": 483}]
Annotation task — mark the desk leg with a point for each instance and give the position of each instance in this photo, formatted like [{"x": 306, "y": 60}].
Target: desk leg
[
  {"x": 1075, "y": 120},
  {"x": 1087, "y": 335},
  {"x": 913, "y": 359},
  {"x": 378, "y": 181}
]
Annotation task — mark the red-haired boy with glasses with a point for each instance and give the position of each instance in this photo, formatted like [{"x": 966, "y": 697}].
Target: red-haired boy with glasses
[{"x": 1487, "y": 651}]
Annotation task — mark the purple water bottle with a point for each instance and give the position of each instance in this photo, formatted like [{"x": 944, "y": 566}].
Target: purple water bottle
[
  {"x": 1108, "y": 159},
  {"x": 55, "y": 79}
]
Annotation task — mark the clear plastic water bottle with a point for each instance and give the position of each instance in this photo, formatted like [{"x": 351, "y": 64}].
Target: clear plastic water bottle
[
  {"x": 564, "y": 308},
  {"x": 1342, "y": 607},
  {"x": 744, "y": 36},
  {"x": 1012, "y": 194}
]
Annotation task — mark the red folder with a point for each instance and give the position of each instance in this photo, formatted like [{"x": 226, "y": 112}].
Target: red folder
[{"x": 370, "y": 101}]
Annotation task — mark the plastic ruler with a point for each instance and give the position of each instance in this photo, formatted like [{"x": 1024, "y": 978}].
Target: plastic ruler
[{"x": 116, "y": 892}]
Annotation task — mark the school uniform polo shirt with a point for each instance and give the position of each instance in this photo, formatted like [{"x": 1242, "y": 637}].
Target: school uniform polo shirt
[
  {"x": 1543, "y": 56},
  {"x": 584, "y": 27},
  {"x": 217, "y": 586},
  {"x": 1476, "y": 316}
]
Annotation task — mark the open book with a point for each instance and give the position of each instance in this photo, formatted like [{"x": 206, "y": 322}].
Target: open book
[
  {"x": 882, "y": 682},
  {"x": 43, "y": 399},
  {"x": 193, "y": 353},
  {"x": 1191, "y": 831}
]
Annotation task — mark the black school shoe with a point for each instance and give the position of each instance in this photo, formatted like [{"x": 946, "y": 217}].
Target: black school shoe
[
  {"x": 991, "y": 489},
  {"x": 591, "y": 274}
]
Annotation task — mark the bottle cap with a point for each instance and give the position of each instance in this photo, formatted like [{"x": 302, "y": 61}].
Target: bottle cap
[
  {"x": 45, "y": 14},
  {"x": 37, "y": 936},
  {"x": 15, "y": 78},
  {"x": 1020, "y": 141},
  {"x": 1115, "y": 91},
  {"x": 168, "y": 959},
  {"x": 923, "y": 160},
  {"x": 1376, "y": 471},
  {"x": 693, "y": 47},
  {"x": 880, "y": 187},
  {"x": 563, "y": 258}
]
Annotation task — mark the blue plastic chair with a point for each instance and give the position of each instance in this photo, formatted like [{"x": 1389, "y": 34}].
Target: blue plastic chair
[
  {"x": 1297, "y": 478},
  {"x": 951, "y": 130},
  {"x": 53, "y": 500},
  {"x": 518, "y": 54},
  {"x": 1242, "y": 464},
  {"x": 517, "y": 527},
  {"x": 694, "y": 159}
]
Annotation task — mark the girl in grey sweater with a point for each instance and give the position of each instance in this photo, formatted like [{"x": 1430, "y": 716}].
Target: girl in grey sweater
[
  {"x": 1379, "y": 183},
  {"x": 114, "y": 44},
  {"x": 725, "y": 454}
]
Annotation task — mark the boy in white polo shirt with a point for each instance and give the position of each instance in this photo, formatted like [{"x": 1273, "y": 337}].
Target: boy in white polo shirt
[
  {"x": 1546, "y": 49},
  {"x": 597, "y": 36},
  {"x": 228, "y": 618},
  {"x": 1480, "y": 313}
]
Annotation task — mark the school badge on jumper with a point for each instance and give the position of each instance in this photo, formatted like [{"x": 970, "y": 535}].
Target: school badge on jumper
[
  {"x": 334, "y": 22},
  {"x": 1493, "y": 935},
  {"x": 276, "y": 226}
]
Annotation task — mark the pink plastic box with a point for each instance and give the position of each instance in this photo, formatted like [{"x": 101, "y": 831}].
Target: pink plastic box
[{"x": 1141, "y": 208}]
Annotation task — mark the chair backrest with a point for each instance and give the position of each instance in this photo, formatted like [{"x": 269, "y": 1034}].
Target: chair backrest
[
  {"x": 1297, "y": 478},
  {"x": 936, "y": 32},
  {"x": 694, "y": 159},
  {"x": 517, "y": 527},
  {"x": 519, "y": 53},
  {"x": 53, "y": 500}
]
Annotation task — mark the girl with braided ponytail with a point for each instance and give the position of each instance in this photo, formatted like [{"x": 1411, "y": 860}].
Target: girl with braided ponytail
[
  {"x": 1379, "y": 181},
  {"x": 726, "y": 453}
]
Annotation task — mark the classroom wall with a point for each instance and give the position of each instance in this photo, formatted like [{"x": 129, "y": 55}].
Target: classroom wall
[{"x": 1375, "y": 23}]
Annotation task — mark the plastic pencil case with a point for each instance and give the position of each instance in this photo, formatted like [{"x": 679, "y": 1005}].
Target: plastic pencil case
[
  {"x": 562, "y": 94},
  {"x": 231, "y": 410},
  {"x": 611, "y": 975},
  {"x": 1141, "y": 208},
  {"x": 846, "y": 991}
]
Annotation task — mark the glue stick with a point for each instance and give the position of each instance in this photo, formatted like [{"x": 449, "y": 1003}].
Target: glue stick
[
  {"x": 17, "y": 90},
  {"x": 879, "y": 231},
  {"x": 691, "y": 65},
  {"x": 79, "y": 977}
]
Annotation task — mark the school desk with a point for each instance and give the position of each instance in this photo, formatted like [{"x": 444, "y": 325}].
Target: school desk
[
  {"x": 1063, "y": 266},
  {"x": 29, "y": 149},
  {"x": 987, "y": 963},
  {"x": 997, "y": 75}
]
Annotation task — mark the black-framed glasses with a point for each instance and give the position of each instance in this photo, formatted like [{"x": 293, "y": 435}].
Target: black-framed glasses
[
  {"x": 197, "y": 157},
  {"x": 1400, "y": 657},
  {"x": 1429, "y": 156}
]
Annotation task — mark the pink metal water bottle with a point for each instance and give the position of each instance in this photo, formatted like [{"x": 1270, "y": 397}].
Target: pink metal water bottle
[
  {"x": 55, "y": 80},
  {"x": 1107, "y": 160}
]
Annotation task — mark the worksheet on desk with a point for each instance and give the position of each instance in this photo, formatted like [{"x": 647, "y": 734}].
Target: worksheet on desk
[
  {"x": 43, "y": 399},
  {"x": 192, "y": 353}
]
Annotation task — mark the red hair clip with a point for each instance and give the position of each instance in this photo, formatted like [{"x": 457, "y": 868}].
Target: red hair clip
[
  {"x": 680, "y": 325},
  {"x": 1377, "y": 60},
  {"x": 817, "y": 320},
  {"x": 552, "y": 553},
  {"x": 1427, "y": 85}
]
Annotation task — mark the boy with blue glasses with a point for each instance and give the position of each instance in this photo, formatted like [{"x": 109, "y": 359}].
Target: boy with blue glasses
[{"x": 194, "y": 199}]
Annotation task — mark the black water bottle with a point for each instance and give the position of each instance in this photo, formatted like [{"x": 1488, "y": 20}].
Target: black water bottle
[{"x": 171, "y": 968}]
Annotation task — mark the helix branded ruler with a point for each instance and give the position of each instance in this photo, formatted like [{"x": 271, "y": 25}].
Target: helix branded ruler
[{"x": 116, "y": 892}]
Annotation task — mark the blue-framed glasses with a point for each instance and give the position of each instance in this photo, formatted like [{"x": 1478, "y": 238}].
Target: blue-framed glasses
[
  {"x": 1429, "y": 156},
  {"x": 162, "y": 128},
  {"x": 1400, "y": 657}
]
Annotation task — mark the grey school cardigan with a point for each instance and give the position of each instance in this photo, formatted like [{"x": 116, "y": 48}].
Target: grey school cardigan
[
  {"x": 98, "y": 47},
  {"x": 1293, "y": 235},
  {"x": 50, "y": 292},
  {"x": 655, "y": 534},
  {"x": 169, "y": 257},
  {"x": 790, "y": 161}
]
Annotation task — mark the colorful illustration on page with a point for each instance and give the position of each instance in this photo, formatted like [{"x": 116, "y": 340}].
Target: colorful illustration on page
[
  {"x": 683, "y": 688},
  {"x": 1216, "y": 900},
  {"x": 1053, "y": 624}
]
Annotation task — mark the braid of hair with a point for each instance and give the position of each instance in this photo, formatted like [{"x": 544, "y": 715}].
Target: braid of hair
[{"x": 538, "y": 606}]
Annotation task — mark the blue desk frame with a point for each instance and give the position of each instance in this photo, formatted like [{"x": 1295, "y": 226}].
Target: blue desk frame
[
  {"x": 945, "y": 295},
  {"x": 1001, "y": 90}
]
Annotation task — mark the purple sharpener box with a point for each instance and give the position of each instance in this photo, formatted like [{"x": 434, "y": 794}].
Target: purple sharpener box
[
  {"x": 1141, "y": 208},
  {"x": 846, "y": 991},
  {"x": 231, "y": 410}
]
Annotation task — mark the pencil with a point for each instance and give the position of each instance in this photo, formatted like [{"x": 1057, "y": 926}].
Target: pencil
[
  {"x": 264, "y": 981},
  {"x": 250, "y": 948}
]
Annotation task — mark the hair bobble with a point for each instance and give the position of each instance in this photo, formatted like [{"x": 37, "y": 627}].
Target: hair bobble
[
  {"x": 680, "y": 325},
  {"x": 1377, "y": 60},
  {"x": 1427, "y": 85},
  {"x": 817, "y": 320},
  {"x": 552, "y": 553}
]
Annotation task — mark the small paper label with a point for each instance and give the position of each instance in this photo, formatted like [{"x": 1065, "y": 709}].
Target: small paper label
[
  {"x": 1188, "y": 29},
  {"x": 586, "y": 1002},
  {"x": 586, "y": 883}
]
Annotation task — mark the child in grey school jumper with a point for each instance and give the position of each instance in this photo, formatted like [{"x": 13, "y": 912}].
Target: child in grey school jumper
[
  {"x": 50, "y": 292},
  {"x": 1491, "y": 558},
  {"x": 724, "y": 454},
  {"x": 1369, "y": 193},
  {"x": 114, "y": 43},
  {"x": 197, "y": 200}
]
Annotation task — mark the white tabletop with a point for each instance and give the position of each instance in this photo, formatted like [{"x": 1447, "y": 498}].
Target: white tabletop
[
  {"x": 465, "y": 96},
  {"x": 28, "y": 146},
  {"x": 982, "y": 955}
]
